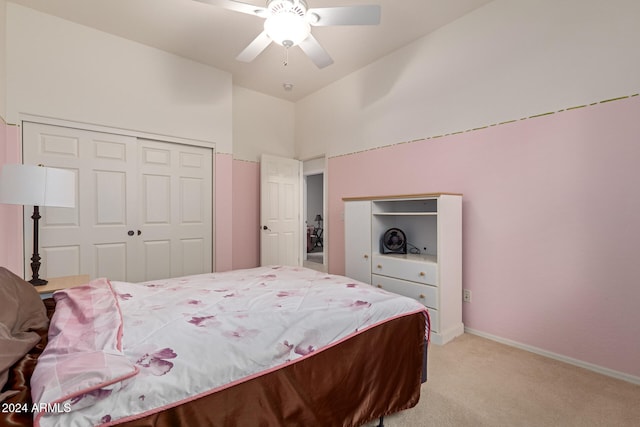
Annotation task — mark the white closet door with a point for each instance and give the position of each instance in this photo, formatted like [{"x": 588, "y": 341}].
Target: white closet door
[
  {"x": 175, "y": 209},
  {"x": 92, "y": 237},
  {"x": 125, "y": 195}
]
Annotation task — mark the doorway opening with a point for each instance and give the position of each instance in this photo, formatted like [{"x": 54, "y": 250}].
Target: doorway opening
[
  {"x": 315, "y": 248},
  {"x": 314, "y": 219}
]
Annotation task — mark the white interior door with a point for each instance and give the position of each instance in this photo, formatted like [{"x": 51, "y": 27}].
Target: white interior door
[
  {"x": 280, "y": 207},
  {"x": 143, "y": 208}
]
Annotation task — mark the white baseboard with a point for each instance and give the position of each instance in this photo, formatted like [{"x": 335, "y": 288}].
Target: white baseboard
[
  {"x": 576, "y": 362},
  {"x": 444, "y": 337}
]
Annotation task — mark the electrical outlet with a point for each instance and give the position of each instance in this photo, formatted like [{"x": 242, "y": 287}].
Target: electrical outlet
[{"x": 466, "y": 295}]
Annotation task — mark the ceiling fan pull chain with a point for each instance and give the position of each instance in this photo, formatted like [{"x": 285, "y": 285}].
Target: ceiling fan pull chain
[{"x": 286, "y": 56}]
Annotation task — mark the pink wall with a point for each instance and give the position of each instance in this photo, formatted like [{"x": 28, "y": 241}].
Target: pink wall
[
  {"x": 10, "y": 216},
  {"x": 550, "y": 223},
  {"x": 246, "y": 214},
  {"x": 223, "y": 212}
]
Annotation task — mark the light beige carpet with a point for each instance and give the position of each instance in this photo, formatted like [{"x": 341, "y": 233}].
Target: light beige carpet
[{"x": 475, "y": 382}]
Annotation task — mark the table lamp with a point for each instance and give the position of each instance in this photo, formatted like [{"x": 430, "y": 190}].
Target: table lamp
[{"x": 36, "y": 186}]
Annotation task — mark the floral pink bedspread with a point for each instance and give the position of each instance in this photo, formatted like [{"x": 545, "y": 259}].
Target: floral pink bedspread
[{"x": 119, "y": 351}]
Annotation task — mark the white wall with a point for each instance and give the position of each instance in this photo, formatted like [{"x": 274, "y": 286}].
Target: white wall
[
  {"x": 504, "y": 61},
  {"x": 60, "y": 69},
  {"x": 262, "y": 124}
]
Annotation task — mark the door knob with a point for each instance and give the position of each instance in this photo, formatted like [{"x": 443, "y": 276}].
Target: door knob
[
  {"x": 264, "y": 227},
  {"x": 130, "y": 233},
  {"x": 139, "y": 232}
]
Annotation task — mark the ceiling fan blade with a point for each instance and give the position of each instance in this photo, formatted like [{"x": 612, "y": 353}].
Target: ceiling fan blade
[
  {"x": 315, "y": 52},
  {"x": 255, "y": 48},
  {"x": 237, "y": 6},
  {"x": 345, "y": 15}
]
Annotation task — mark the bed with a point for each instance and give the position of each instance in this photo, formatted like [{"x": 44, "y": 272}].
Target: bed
[{"x": 271, "y": 346}]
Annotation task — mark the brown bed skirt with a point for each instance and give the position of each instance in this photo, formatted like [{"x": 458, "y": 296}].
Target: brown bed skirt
[
  {"x": 373, "y": 374},
  {"x": 20, "y": 378}
]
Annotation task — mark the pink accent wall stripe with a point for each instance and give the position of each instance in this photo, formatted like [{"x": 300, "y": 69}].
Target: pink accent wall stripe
[
  {"x": 223, "y": 237},
  {"x": 550, "y": 224},
  {"x": 246, "y": 214},
  {"x": 10, "y": 215}
]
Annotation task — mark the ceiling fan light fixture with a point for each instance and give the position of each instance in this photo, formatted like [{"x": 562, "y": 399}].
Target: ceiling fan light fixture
[
  {"x": 288, "y": 23},
  {"x": 287, "y": 29}
]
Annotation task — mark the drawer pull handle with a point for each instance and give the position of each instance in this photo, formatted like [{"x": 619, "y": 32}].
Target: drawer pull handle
[
  {"x": 366, "y": 256},
  {"x": 379, "y": 266},
  {"x": 422, "y": 274},
  {"x": 380, "y": 286},
  {"x": 422, "y": 296}
]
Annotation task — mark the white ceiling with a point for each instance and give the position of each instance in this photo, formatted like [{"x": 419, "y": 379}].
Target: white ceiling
[{"x": 214, "y": 36}]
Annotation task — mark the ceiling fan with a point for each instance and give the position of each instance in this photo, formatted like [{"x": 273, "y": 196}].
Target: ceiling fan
[{"x": 289, "y": 22}]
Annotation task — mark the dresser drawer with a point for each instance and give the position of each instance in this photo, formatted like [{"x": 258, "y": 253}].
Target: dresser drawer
[
  {"x": 425, "y": 294},
  {"x": 415, "y": 270}
]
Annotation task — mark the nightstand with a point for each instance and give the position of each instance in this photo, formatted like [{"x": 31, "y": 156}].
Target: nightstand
[{"x": 58, "y": 283}]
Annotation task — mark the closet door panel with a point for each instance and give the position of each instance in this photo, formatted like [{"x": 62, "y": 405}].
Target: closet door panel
[
  {"x": 157, "y": 259},
  {"x": 60, "y": 259},
  {"x": 192, "y": 260},
  {"x": 91, "y": 238},
  {"x": 111, "y": 198},
  {"x": 110, "y": 260},
  {"x": 191, "y": 208},
  {"x": 107, "y": 193},
  {"x": 156, "y": 194},
  {"x": 194, "y": 209},
  {"x": 175, "y": 208}
]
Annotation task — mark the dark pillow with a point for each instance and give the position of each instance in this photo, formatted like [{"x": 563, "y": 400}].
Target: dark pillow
[{"x": 21, "y": 312}]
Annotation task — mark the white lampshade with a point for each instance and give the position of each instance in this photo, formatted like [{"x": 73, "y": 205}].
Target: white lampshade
[
  {"x": 37, "y": 186},
  {"x": 287, "y": 29}
]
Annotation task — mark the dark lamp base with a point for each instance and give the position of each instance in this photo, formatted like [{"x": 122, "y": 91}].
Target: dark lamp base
[{"x": 38, "y": 282}]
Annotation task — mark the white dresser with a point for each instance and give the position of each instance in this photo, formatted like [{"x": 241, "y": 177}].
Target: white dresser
[{"x": 430, "y": 271}]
